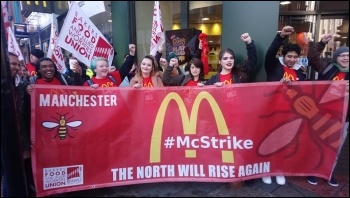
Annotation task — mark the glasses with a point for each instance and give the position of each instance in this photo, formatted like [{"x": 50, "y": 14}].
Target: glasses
[{"x": 343, "y": 55}]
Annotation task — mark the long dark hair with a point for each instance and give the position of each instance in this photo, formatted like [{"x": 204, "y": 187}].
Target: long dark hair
[
  {"x": 238, "y": 69},
  {"x": 199, "y": 64},
  {"x": 37, "y": 66}
]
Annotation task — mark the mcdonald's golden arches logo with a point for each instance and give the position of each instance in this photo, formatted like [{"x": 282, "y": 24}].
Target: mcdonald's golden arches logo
[
  {"x": 289, "y": 76},
  {"x": 189, "y": 124}
]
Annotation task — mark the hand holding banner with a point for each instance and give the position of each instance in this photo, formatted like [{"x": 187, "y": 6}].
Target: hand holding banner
[
  {"x": 82, "y": 38},
  {"x": 158, "y": 35}
]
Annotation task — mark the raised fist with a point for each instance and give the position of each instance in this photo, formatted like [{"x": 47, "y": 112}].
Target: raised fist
[
  {"x": 132, "y": 49},
  {"x": 326, "y": 38},
  {"x": 286, "y": 31},
  {"x": 246, "y": 38}
]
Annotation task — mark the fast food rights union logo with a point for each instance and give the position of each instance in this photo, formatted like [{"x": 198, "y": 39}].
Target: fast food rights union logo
[
  {"x": 189, "y": 124},
  {"x": 56, "y": 177}
]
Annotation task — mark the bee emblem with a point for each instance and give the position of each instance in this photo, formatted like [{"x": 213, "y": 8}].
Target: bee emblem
[
  {"x": 324, "y": 126},
  {"x": 62, "y": 125}
]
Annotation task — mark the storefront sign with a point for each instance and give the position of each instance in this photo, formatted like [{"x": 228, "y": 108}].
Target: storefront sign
[{"x": 183, "y": 42}]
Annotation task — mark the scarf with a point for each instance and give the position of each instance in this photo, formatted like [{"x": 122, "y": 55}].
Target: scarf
[
  {"x": 296, "y": 66},
  {"x": 341, "y": 68}
]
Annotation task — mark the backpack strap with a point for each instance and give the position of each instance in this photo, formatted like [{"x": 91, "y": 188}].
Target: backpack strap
[
  {"x": 90, "y": 82},
  {"x": 109, "y": 76},
  {"x": 64, "y": 79},
  {"x": 329, "y": 67},
  {"x": 112, "y": 78}
]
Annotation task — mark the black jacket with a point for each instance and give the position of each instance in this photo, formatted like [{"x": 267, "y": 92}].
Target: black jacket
[
  {"x": 242, "y": 76},
  {"x": 23, "y": 114},
  {"x": 273, "y": 67},
  {"x": 325, "y": 69}
]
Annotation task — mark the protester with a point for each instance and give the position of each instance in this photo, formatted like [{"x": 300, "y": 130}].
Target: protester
[
  {"x": 35, "y": 55},
  {"x": 47, "y": 74},
  {"x": 337, "y": 69},
  {"x": 23, "y": 74},
  {"x": 22, "y": 103},
  {"x": 126, "y": 81},
  {"x": 147, "y": 74},
  {"x": 177, "y": 70},
  {"x": 231, "y": 73},
  {"x": 285, "y": 68},
  {"x": 194, "y": 78},
  {"x": 103, "y": 77}
]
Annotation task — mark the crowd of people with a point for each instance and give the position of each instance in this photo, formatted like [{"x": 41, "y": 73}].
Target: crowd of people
[{"x": 155, "y": 71}]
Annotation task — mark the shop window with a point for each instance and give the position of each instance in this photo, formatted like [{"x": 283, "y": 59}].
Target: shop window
[
  {"x": 337, "y": 25},
  {"x": 304, "y": 30},
  {"x": 334, "y": 20}
]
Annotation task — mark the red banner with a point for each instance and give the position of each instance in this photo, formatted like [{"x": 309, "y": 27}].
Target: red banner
[{"x": 85, "y": 139}]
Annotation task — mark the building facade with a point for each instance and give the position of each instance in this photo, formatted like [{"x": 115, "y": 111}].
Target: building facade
[{"x": 124, "y": 22}]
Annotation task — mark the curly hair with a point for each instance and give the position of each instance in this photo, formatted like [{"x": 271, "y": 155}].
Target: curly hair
[{"x": 38, "y": 64}]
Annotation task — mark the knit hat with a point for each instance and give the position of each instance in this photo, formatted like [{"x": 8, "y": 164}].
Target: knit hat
[
  {"x": 37, "y": 53},
  {"x": 339, "y": 51},
  {"x": 172, "y": 55}
]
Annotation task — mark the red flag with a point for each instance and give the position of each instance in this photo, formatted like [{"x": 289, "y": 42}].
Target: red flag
[{"x": 205, "y": 50}]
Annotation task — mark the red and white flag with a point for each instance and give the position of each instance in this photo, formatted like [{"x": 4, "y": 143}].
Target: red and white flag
[
  {"x": 55, "y": 52},
  {"x": 82, "y": 38},
  {"x": 5, "y": 15},
  {"x": 12, "y": 45},
  {"x": 158, "y": 35}
]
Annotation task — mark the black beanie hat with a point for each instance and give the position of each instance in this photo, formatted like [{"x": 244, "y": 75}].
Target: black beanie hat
[{"x": 37, "y": 53}]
